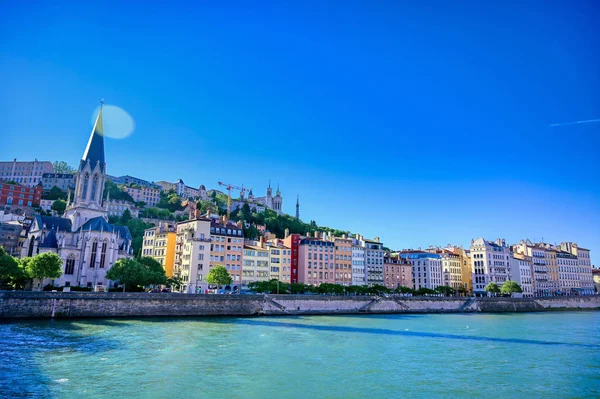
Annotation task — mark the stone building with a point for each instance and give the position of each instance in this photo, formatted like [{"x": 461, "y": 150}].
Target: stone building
[
  {"x": 490, "y": 262},
  {"x": 27, "y": 173}
]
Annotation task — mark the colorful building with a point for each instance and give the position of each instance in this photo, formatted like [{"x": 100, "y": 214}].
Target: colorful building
[
  {"x": 397, "y": 272},
  {"x": 316, "y": 261},
  {"x": 227, "y": 247},
  {"x": 292, "y": 241},
  {"x": 19, "y": 195},
  {"x": 343, "y": 260},
  {"x": 159, "y": 243}
]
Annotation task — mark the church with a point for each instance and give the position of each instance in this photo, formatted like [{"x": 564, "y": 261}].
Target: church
[{"x": 87, "y": 244}]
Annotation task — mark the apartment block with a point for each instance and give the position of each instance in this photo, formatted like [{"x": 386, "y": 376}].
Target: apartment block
[
  {"x": 343, "y": 260},
  {"x": 20, "y": 195},
  {"x": 397, "y": 272},
  {"x": 316, "y": 261},
  {"x": 159, "y": 243},
  {"x": 26, "y": 173},
  {"x": 426, "y": 268},
  {"x": 149, "y": 195},
  {"x": 192, "y": 253},
  {"x": 64, "y": 181},
  {"x": 490, "y": 263},
  {"x": 227, "y": 247}
]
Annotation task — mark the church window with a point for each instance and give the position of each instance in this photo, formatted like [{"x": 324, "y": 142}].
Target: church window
[
  {"x": 70, "y": 265},
  {"x": 93, "y": 255},
  {"x": 85, "y": 186},
  {"x": 94, "y": 185},
  {"x": 103, "y": 254}
]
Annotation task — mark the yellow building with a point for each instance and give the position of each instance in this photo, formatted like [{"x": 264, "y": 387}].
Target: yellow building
[{"x": 159, "y": 243}]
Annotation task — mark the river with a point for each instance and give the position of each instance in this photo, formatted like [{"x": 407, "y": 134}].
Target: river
[{"x": 526, "y": 355}]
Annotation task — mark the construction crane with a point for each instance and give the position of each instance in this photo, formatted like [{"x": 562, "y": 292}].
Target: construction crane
[{"x": 230, "y": 187}]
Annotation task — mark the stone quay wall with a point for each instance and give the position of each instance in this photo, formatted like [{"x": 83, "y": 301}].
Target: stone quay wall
[{"x": 15, "y": 304}]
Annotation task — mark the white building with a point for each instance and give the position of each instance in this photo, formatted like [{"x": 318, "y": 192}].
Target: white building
[
  {"x": 85, "y": 241},
  {"x": 358, "y": 264},
  {"x": 374, "y": 256},
  {"x": 426, "y": 268},
  {"x": 269, "y": 201},
  {"x": 520, "y": 271},
  {"x": 192, "y": 254},
  {"x": 26, "y": 173},
  {"x": 117, "y": 207},
  {"x": 490, "y": 262},
  {"x": 584, "y": 266}
]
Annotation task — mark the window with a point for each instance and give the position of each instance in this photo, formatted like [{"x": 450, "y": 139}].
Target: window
[
  {"x": 93, "y": 254},
  {"x": 103, "y": 254},
  {"x": 70, "y": 265}
]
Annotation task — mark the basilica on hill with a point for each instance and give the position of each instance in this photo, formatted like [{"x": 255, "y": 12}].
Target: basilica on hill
[{"x": 87, "y": 244}]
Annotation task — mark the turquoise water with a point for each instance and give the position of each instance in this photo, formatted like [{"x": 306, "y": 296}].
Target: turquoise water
[{"x": 533, "y": 355}]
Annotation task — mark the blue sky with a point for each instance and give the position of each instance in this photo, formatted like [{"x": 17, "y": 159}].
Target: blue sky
[{"x": 422, "y": 124}]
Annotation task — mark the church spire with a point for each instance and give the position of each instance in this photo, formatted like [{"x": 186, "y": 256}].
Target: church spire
[{"x": 94, "y": 152}]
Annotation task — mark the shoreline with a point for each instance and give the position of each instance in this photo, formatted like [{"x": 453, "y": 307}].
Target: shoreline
[{"x": 72, "y": 305}]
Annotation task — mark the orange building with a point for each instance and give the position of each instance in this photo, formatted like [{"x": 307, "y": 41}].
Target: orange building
[{"x": 343, "y": 260}]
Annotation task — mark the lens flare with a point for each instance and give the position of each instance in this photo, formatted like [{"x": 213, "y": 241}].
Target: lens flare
[{"x": 117, "y": 123}]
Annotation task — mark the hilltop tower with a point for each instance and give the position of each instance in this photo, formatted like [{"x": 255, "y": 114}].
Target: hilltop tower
[{"x": 298, "y": 207}]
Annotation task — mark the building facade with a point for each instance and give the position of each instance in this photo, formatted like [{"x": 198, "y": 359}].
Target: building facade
[
  {"x": 490, "y": 263},
  {"x": 117, "y": 207},
  {"x": 26, "y": 173},
  {"x": 159, "y": 243},
  {"x": 521, "y": 272},
  {"x": 292, "y": 241},
  {"x": 18, "y": 195},
  {"x": 343, "y": 260},
  {"x": 316, "y": 261},
  {"x": 227, "y": 248},
  {"x": 149, "y": 195},
  {"x": 192, "y": 254},
  {"x": 359, "y": 272},
  {"x": 128, "y": 180},
  {"x": 255, "y": 266},
  {"x": 397, "y": 272},
  {"x": 373, "y": 260},
  {"x": 64, "y": 181},
  {"x": 426, "y": 268}
]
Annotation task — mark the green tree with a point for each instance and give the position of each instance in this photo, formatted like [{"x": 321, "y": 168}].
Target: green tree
[
  {"x": 492, "y": 288},
  {"x": 510, "y": 287},
  {"x": 175, "y": 283},
  {"x": 445, "y": 290},
  {"x": 11, "y": 271},
  {"x": 128, "y": 272},
  {"x": 425, "y": 291},
  {"x": 154, "y": 273},
  {"x": 116, "y": 192},
  {"x": 44, "y": 265},
  {"x": 403, "y": 290},
  {"x": 54, "y": 193},
  {"x": 125, "y": 217},
  {"x": 59, "y": 206},
  {"x": 219, "y": 275},
  {"x": 62, "y": 167}
]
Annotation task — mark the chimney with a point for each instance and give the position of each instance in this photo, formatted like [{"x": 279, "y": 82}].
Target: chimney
[
  {"x": 357, "y": 236},
  {"x": 308, "y": 234},
  {"x": 197, "y": 214},
  {"x": 261, "y": 241},
  {"x": 376, "y": 239},
  {"x": 286, "y": 233},
  {"x": 344, "y": 236}
]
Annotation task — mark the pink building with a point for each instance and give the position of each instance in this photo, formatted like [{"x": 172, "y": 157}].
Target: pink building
[{"x": 316, "y": 261}]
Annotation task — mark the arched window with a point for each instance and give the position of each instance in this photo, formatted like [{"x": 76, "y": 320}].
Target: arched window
[
  {"x": 103, "y": 253},
  {"x": 70, "y": 264},
  {"x": 30, "y": 250},
  {"x": 93, "y": 255},
  {"x": 94, "y": 185},
  {"x": 86, "y": 180}
]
